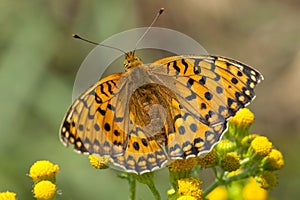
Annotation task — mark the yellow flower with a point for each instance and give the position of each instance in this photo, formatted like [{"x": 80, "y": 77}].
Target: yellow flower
[
  {"x": 99, "y": 162},
  {"x": 261, "y": 146},
  {"x": 252, "y": 191},
  {"x": 208, "y": 160},
  {"x": 44, "y": 190},
  {"x": 219, "y": 193},
  {"x": 240, "y": 124},
  {"x": 7, "y": 195},
  {"x": 267, "y": 180},
  {"x": 243, "y": 118},
  {"x": 43, "y": 170},
  {"x": 190, "y": 187},
  {"x": 274, "y": 160},
  {"x": 183, "y": 164},
  {"x": 186, "y": 198},
  {"x": 231, "y": 162}
]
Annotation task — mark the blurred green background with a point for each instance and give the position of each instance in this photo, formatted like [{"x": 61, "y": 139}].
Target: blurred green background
[{"x": 39, "y": 61}]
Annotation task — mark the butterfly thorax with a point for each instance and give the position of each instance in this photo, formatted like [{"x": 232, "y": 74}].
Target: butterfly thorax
[{"x": 131, "y": 61}]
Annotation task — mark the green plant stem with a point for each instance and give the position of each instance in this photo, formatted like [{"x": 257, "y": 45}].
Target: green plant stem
[
  {"x": 132, "y": 186},
  {"x": 154, "y": 191}
]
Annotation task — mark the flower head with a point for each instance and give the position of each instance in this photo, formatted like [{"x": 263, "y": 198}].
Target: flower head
[
  {"x": 274, "y": 160},
  {"x": 190, "y": 187},
  {"x": 240, "y": 124},
  {"x": 231, "y": 162},
  {"x": 43, "y": 170},
  {"x": 7, "y": 195},
  {"x": 261, "y": 146},
  {"x": 44, "y": 190},
  {"x": 267, "y": 180},
  {"x": 208, "y": 160},
  {"x": 243, "y": 118},
  {"x": 252, "y": 191},
  {"x": 183, "y": 164},
  {"x": 99, "y": 162}
]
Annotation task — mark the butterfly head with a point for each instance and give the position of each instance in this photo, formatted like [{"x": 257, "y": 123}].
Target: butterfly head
[{"x": 131, "y": 61}]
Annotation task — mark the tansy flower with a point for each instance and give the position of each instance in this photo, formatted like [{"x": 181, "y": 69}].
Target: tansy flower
[
  {"x": 99, "y": 162},
  {"x": 181, "y": 168},
  {"x": 43, "y": 170},
  {"x": 267, "y": 180},
  {"x": 274, "y": 161},
  {"x": 7, "y": 195},
  {"x": 243, "y": 118},
  {"x": 230, "y": 162},
  {"x": 239, "y": 124},
  {"x": 208, "y": 160},
  {"x": 219, "y": 193},
  {"x": 190, "y": 187},
  {"x": 252, "y": 191},
  {"x": 260, "y": 146},
  {"x": 183, "y": 164},
  {"x": 44, "y": 190}
]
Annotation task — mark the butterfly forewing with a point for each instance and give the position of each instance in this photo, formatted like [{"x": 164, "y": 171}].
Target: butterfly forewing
[{"x": 212, "y": 88}]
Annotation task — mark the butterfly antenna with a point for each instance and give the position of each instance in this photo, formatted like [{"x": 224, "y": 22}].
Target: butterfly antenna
[
  {"x": 161, "y": 10},
  {"x": 95, "y": 43}
]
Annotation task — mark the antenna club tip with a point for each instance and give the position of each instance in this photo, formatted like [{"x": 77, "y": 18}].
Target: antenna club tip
[
  {"x": 75, "y": 36},
  {"x": 161, "y": 10}
]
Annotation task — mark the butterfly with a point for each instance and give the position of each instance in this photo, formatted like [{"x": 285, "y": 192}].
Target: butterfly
[{"x": 174, "y": 108}]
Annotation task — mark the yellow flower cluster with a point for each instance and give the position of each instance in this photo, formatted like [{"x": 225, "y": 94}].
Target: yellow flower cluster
[
  {"x": 208, "y": 160},
  {"x": 44, "y": 190},
  {"x": 261, "y": 146},
  {"x": 231, "y": 162},
  {"x": 43, "y": 170},
  {"x": 99, "y": 162},
  {"x": 274, "y": 160},
  {"x": 267, "y": 180},
  {"x": 43, "y": 173},
  {"x": 7, "y": 195},
  {"x": 183, "y": 164},
  {"x": 190, "y": 187},
  {"x": 243, "y": 118},
  {"x": 240, "y": 124}
]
